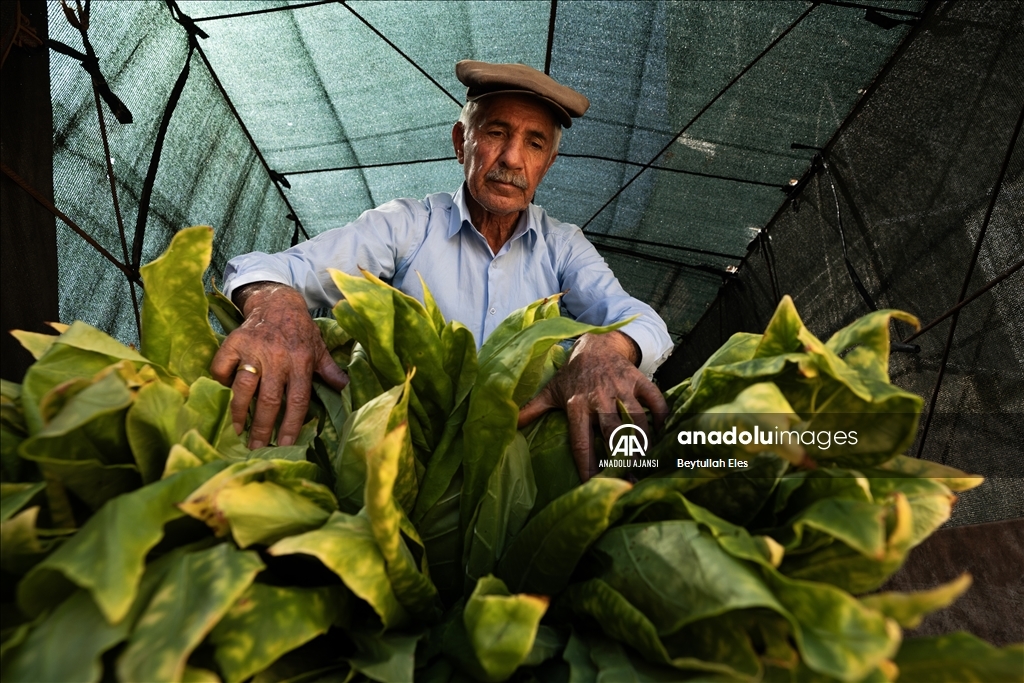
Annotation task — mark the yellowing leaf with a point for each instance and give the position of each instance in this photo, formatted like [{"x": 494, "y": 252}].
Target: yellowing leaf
[{"x": 176, "y": 330}]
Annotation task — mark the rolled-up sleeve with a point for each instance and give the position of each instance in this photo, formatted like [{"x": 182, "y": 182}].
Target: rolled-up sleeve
[
  {"x": 595, "y": 297},
  {"x": 376, "y": 242}
]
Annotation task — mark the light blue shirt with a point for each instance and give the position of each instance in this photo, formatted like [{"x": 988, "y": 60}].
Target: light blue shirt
[{"x": 436, "y": 238}]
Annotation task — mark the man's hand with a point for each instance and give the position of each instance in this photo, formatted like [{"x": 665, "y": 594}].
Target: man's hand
[
  {"x": 601, "y": 368},
  {"x": 275, "y": 352}
]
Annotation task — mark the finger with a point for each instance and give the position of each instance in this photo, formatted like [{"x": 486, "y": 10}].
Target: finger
[
  {"x": 330, "y": 373},
  {"x": 299, "y": 386},
  {"x": 535, "y": 407},
  {"x": 651, "y": 396},
  {"x": 224, "y": 362},
  {"x": 608, "y": 417},
  {"x": 268, "y": 405},
  {"x": 579, "y": 436},
  {"x": 243, "y": 389}
]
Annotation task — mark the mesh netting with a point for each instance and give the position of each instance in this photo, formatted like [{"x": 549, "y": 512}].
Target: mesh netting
[
  {"x": 209, "y": 173},
  {"x": 673, "y": 172},
  {"x": 916, "y": 173},
  {"x": 354, "y": 103}
]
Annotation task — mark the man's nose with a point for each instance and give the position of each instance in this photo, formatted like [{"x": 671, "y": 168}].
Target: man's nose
[{"x": 512, "y": 154}]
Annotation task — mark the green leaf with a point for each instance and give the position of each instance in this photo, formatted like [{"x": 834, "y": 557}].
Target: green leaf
[
  {"x": 930, "y": 501},
  {"x": 80, "y": 352},
  {"x": 516, "y": 322},
  {"x": 83, "y": 444},
  {"x": 622, "y": 621},
  {"x": 363, "y": 430},
  {"x": 577, "y": 656},
  {"x": 829, "y": 393},
  {"x": 548, "y": 644},
  {"x": 614, "y": 664},
  {"x": 151, "y": 427},
  {"x": 864, "y": 344},
  {"x": 761, "y": 405},
  {"x": 782, "y": 335},
  {"x": 738, "y": 348},
  {"x": 908, "y": 609},
  {"x": 433, "y": 311},
  {"x": 268, "y": 621},
  {"x": 67, "y": 645},
  {"x": 842, "y": 566},
  {"x": 460, "y": 359},
  {"x": 13, "y": 497},
  {"x": 502, "y": 512},
  {"x": 836, "y": 635},
  {"x": 363, "y": 385},
  {"x": 740, "y": 494},
  {"x": 367, "y": 312},
  {"x": 493, "y": 414},
  {"x": 22, "y": 546},
  {"x": 418, "y": 345},
  {"x": 208, "y": 410},
  {"x": 554, "y": 469},
  {"x": 545, "y": 553},
  {"x": 204, "y": 501},
  {"x": 263, "y": 512},
  {"x": 89, "y": 425},
  {"x": 958, "y": 658},
  {"x": 180, "y": 458},
  {"x": 176, "y": 330},
  {"x": 35, "y": 343},
  {"x": 197, "y": 591},
  {"x": 916, "y": 467},
  {"x": 346, "y": 545},
  {"x": 338, "y": 407},
  {"x": 223, "y": 309},
  {"x": 107, "y": 555},
  {"x": 501, "y": 626},
  {"x": 193, "y": 674},
  {"x": 439, "y": 530},
  {"x": 388, "y": 658},
  {"x": 412, "y": 588},
  {"x": 675, "y": 574},
  {"x": 858, "y": 524}
]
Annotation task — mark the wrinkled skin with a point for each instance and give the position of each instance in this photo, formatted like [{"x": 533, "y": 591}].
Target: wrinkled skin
[
  {"x": 506, "y": 151},
  {"x": 279, "y": 339},
  {"x": 600, "y": 370}
]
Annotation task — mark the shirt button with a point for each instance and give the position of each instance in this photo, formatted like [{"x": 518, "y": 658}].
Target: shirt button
[{"x": 492, "y": 311}]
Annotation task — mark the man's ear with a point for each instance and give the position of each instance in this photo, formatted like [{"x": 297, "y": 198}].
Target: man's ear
[{"x": 459, "y": 141}]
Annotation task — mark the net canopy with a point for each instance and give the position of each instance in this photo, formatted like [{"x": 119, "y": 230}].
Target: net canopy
[
  {"x": 711, "y": 123},
  {"x": 674, "y": 170}
]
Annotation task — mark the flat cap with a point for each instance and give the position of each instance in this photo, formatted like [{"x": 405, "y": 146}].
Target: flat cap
[{"x": 484, "y": 78}]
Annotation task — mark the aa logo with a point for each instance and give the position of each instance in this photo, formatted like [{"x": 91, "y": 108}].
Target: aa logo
[{"x": 626, "y": 440}]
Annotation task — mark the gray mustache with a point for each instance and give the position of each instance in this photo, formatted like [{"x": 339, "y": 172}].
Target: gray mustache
[{"x": 503, "y": 175}]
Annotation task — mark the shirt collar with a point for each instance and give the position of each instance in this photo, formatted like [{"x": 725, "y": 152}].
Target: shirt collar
[{"x": 460, "y": 215}]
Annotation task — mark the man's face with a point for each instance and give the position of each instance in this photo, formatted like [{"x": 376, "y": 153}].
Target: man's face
[{"x": 506, "y": 151}]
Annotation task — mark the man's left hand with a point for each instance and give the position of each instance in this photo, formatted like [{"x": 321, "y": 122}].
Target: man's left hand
[{"x": 601, "y": 368}]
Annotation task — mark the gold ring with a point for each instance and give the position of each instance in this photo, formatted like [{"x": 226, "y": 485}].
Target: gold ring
[{"x": 250, "y": 368}]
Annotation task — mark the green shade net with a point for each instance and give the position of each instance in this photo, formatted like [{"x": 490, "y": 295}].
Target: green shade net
[{"x": 354, "y": 105}]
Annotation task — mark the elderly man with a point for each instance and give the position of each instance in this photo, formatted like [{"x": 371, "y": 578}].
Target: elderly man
[{"x": 483, "y": 251}]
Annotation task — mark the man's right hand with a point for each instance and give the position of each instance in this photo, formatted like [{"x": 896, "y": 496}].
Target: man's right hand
[{"x": 272, "y": 356}]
